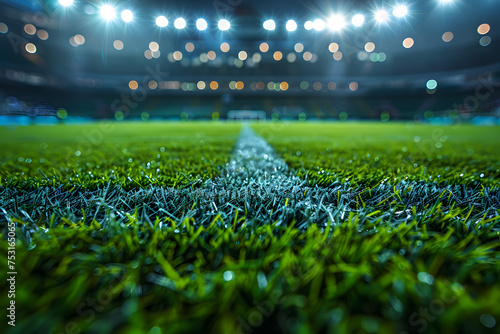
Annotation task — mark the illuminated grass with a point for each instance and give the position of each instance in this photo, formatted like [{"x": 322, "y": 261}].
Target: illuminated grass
[
  {"x": 370, "y": 153},
  {"x": 127, "y": 154},
  {"x": 127, "y": 275},
  {"x": 388, "y": 251}
]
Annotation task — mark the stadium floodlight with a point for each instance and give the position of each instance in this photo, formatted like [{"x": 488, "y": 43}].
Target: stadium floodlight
[
  {"x": 381, "y": 16},
  {"x": 446, "y": 1},
  {"x": 108, "y": 12},
  {"x": 65, "y": 3},
  {"x": 180, "y": 23},
  {"x": 308, "y": 25},
  {"x": 319, "y": 25},
  {"x": 224, "y": 24},
  {"x": 161, "y": 21},
  {"x": 291, "y": 25},
  {"x": 358, "y": 20},
  {"x": 269, "y": 25},
  {"x": 201, "y": 24},
  {"x": 127, "y": 15},
  {"x": 336, "y": 22},
  {"x": 400, "y": 11}
]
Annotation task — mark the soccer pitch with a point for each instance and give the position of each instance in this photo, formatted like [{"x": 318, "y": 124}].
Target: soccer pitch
[{"x": 246, "y": 228}]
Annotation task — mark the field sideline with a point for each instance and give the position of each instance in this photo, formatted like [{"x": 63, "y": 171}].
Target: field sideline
[{"x": 290, "y": 227}]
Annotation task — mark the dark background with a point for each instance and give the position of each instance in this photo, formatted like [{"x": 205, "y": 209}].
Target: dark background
[{"x": 88, "y": 79}]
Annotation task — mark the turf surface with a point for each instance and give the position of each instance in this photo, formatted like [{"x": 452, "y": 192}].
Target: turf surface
[
  {"x": 370, "y": 245},
  {"x": 127, "y": 154}
]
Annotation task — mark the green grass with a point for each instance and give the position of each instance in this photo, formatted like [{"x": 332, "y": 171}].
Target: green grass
[
  {"x": 369, "y": 153},
  {"x": 423, "y": 258},
  {"x": 127, "y": 154},
  {"x": 130, "y": 276}
]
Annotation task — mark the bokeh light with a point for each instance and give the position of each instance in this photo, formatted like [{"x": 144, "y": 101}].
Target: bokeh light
[
  {"x": 381, "y": 16},
  {"x": 62, "y": 113},
  {"x": 269, "y": 25},
  {"x": 333, "y": 47},
  {"x": 30, "y": 29},
  {"x": 319, "y": 25},
  {"x": 180, "y": 23},
  {"x": 299, "y": 47},
  {"x": 118, "y": 45},
  {"x": 3, "y": 28},
  {"x": 189, "y": 47},
  {"x": 108, "y": 12},
  {"x": 400, "y": 11},
  {"x": 264, "y": 47},
  {"x": 127, "y": 15},
  {"x": 483, "y": 29},
  {"x": 161, "y": 21},
  {"x": 65, "y": 3},
  {"x": 431, "y": 84},
  {"x": 79, "y": 39},
  {"x": 30, "y": 48},
  {"x": 447, "y": 37},
  {"x": 42, "y": 34},
  {"x": 317, "y": 86},
  {"x": 277, "y": 56},
  {"x": 224, "y": 47},
  {"x": 242, "y": 55},
  {"x": 201, "y": 85},
  {"x": 336, "y": 22},
  {"x": 133, "y": 85},
  {"x": 153, "y": 84},
  {"x": 178, "y": 55},
  {"x": 201, "y": 24},
  {"x": 369, "y": 47},
  {"x": 153, "y": 46},
  {"x": 224, "y": 25},
  {"x": 214, "y": 85},
  {"x": 211, "y": 55},
  {"x": 485, "y": 41},
  {"x": 358, "y": 20},
  {"x": 291, "y": 25},
  {"x": 408, "y": 42}
]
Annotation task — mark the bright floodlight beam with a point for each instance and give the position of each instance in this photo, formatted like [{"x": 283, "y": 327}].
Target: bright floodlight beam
[
  {"x": 319, "y": 25},
  {"x": 66, "y": 3},
  {"x": 108, "y": 12},
  {"x": 269, "y": 25},
  {"x": 400, "y": 11},
  {"x": 161, "y": 21},
  {"x": 127, "y": 15},
  {"x": 358, "y": 20},
  {"x": 201, "y": 24},
  {"x": 291, "y": 25},
  {"x": 224, "y": 25},
  {"x": 381, "y": 16},
  {"x": 180, "y": 23},
  {"x": 336, "y": 22}
]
